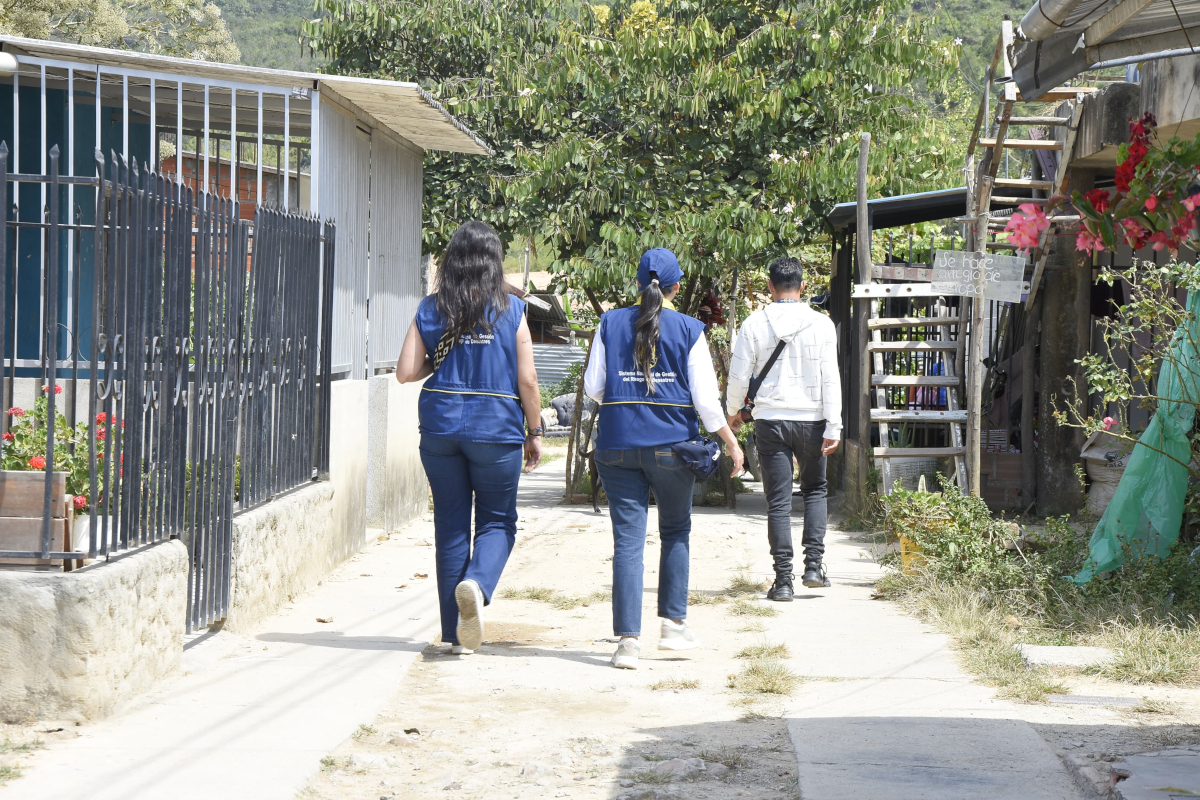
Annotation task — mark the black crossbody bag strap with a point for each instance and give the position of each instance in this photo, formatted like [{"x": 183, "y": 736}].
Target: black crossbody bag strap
[{"x": 757, "y": 380}]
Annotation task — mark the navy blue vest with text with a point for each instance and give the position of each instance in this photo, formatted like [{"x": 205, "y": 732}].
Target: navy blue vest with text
[
  {"x": 473, "y": 395},
  {"x": 630, "y": 416}
]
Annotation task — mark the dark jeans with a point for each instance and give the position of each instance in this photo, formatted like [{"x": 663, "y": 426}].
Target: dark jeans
[
  {"x": 778, "y": 441},
  {"x": 459, "y": 471},
  {"x": 627, "y": 477}
]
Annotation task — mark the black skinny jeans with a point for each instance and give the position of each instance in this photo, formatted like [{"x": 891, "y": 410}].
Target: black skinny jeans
[{"x": 778, "y": 441}]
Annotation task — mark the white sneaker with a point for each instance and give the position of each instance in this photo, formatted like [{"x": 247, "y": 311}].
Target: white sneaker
[
  {"x": 626, "y": 656},
  {"x": 676, "y": 636},
  {"x": 459, "y": 650},
  {"x": 470, "y": 614}
]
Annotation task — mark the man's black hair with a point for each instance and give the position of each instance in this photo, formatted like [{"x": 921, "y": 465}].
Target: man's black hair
[{"x": 786, "y": 273}]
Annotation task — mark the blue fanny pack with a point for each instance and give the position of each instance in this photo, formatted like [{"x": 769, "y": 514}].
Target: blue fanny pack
[{"x": 701, "y": 455}]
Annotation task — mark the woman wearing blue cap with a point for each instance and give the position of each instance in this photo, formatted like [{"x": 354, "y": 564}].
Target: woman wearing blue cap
[
  {"x": 472, "y": 341},
  {"x": 651, "y": 373}
]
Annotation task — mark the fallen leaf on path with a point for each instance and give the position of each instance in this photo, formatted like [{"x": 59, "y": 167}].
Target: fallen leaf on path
[
  {"x": 412, "y": 730},
  {"x": 402, "y": 586},
  {"x": 324, "y": 619},
  {"x": 420, "y": 574}
]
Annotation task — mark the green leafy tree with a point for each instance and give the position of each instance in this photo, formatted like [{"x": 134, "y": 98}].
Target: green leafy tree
[
  {"x": 185, "y": 28},
  {"x": 724, "y": 130}
]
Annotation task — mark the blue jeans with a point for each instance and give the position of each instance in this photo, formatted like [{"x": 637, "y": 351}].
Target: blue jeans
[
  {"x": 627, "y": 476},
  {"x": 458, "y": 470}
]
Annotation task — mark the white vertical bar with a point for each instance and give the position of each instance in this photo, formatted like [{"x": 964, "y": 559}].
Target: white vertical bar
[
  {"x": 71, "y": 299},
  {"x": 233, "y": 151},
  {"x": 153, "y": 130},
  {"x": 43, "y": 240},
  {"x": 99, "y": 146},
  {"x": 314, "y": 156},
  {"x": 207, "y": 185},
  {"x": 125, "y": 117},
  {"x": 14, "y": 199},
  {"x": 179, "y": 134},
  {"x": 287, "y": 152},
  {"x": 258, "y": 152}
]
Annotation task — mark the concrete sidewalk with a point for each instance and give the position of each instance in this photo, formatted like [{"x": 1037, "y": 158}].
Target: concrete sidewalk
[
  {"x": 887, "y": 711},
  {"x": 251, "y": 717}
]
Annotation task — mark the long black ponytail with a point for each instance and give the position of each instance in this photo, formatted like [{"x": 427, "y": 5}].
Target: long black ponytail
[
  {"x": 645, "y": 347},
  {"x": 471, "y": 292}
]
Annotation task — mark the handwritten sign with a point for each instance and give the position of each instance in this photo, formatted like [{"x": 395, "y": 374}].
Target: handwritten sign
[{"x": 1000, "y": 277}]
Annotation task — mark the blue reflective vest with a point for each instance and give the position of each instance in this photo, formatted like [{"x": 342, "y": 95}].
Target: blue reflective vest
[
  {"x": 473, "y": 395},
  {"x": 630, "y": 416}
]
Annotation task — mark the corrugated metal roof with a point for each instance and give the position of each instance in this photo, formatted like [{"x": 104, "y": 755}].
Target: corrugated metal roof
[
  {"x": 553, "y": 360},
  {"x": 405, "y": 108}
]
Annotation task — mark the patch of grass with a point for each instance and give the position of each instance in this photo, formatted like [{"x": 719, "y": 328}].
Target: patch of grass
[
  {"x": 541, "y": 594},
  {"x": 744, "y": 583},
  {"x": 730, "y": 758},
  {"x": 363, "y": 730},
  {"x": 1152, "y": 706},
  {"x": 653, "y": 757},
  {"x": 650, "y": 776},
  {"x": 1147, "y": 653},
  {"x": 675, "y": 683},
  {"x": 748, "y": 608},
  {"x": 329, "y": 764},
  {"x": 696, "y": 598},
  {"x": 563, "y": 602},
  {"x": 8, "y": 774},
  {"x": 752, "y": 627},
  {"x": 764, "y": 650},
  {"x": 765, "y": 676},
  {"x": 7, "y": 746}
]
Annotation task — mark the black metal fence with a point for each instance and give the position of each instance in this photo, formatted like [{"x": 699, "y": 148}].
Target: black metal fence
[{"x": 201, "y": 357}]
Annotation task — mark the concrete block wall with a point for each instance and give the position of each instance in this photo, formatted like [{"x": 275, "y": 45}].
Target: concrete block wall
[
  {"x": 397, "y": 490},
  {"x": 79, "y": 644}
]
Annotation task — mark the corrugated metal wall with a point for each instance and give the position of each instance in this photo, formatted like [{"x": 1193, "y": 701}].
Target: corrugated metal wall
[
  {"x": 345, "y": 181},
  {"x": 552, "y": 361},
  {"x": 396, "y": 193}
]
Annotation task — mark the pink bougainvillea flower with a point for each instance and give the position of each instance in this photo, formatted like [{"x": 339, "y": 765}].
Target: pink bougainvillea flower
[
  {"x": 16, "y": 412},
  {"x": 1151, "y": 203},
  {"x": 80, "y": 502},
  {"x": 1088, "y": 242},
  {"x": 1135, "y": 234},
  {"x": 1192, "y": 203},
  {"x": 1159, "y": 240},
  {"x": 1109, "y": 422},
  {"x": 38, "y": 462},
  {"x": 8, "y": 437},
  {"x": 1025, "y": 226}
]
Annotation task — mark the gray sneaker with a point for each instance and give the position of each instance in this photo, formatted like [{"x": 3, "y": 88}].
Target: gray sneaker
[
  {"x": 470, "y": 614},
  {"x": 627, "y": 653},
  {"x": 676, "y": 636}
]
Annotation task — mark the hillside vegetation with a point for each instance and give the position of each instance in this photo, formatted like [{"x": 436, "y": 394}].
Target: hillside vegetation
[{"x": 266, "y": 31}]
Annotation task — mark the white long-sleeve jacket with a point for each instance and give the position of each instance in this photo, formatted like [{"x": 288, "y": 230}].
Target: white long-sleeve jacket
[{"x": 804, "y": 384}]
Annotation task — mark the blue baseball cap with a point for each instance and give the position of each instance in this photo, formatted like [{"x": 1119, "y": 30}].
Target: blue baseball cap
[{"x": 659, "y": 263}]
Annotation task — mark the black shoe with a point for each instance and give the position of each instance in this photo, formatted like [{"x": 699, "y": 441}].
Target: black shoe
[
  {"x": 781, "y": 591},
  {"x": 815, "y": 577}
]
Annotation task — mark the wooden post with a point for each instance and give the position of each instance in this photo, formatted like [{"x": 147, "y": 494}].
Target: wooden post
[
  {"x": 975, "y": 368},
  {"x": 1033, "y": 320},
  {"x": 862, "y": 238}
]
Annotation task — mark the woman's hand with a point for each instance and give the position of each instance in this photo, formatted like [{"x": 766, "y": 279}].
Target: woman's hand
[
  {"x": 737, "y": 457},
  {"x": 533, "y": 452}
]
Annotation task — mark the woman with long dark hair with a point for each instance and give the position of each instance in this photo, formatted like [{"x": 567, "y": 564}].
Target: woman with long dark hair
[
  {"x": 472, "y": 342},
  {"x": 652, "y": 374}
]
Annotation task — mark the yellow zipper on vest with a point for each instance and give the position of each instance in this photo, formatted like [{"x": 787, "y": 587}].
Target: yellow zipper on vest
[{"x": 646, "y": 403}]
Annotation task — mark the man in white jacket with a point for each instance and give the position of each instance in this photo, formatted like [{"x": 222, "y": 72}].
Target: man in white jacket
[{"x": 797, "y": 412}]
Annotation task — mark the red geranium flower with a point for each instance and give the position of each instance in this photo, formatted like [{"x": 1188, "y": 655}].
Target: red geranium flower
[
  {"x": 57, "y": 389},
  {"x": 101, "y": 418},
  {"x": 8, "y": 437},
  {"x": 37, "y": 462},
  {"x": 80, "y": 502},
  {"x": 16, "y": 412},
  {"x": 100, "y": 435}
]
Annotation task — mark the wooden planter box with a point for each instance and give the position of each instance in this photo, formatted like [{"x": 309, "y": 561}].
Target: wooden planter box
[{"x": 22, "y": 499}]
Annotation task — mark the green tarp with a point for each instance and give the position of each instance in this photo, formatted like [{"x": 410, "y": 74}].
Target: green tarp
[{"x": 1147, "y": 509}]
